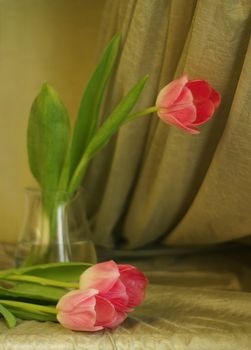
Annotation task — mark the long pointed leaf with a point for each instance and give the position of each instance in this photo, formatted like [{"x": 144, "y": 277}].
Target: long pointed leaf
[
  {"x": 88, "y": 114},
  {"x": 104, "y": 133}
]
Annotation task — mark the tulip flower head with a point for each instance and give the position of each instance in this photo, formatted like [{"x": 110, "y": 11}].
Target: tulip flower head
[
  {"x": 108, "y": 291},
  {"x": 187, "y": 103},
  {"x": 124, "y": 285}
]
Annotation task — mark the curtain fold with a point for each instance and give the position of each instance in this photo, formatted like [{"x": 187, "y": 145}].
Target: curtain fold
[{"x": 154, "y": 183}]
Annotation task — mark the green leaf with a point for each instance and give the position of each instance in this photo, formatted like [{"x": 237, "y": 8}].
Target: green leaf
[
  {"x": 8, "y": 316},
  {"x": 108, "y": 128},
  {"x": 47, "y": 137},
  {"x": 32, "y": 315},
  {"x": 33, "y": 291},
  {"x": 67, "y": 272},
  {"x": 87, "y": 119},
  {"x": 43, "y": 312}
]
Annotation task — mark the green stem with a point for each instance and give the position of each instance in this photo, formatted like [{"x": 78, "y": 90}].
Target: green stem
[
  {"x": 64, "y": 177},
  {"x": 30, "y": 307},
  {"x": 135, "y": 115},
  {"x": 77, "y": 175},
  {"x": 40, "y": 280}
]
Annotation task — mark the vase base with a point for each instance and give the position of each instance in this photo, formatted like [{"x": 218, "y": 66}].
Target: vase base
[{"x": 28, "y": 254}]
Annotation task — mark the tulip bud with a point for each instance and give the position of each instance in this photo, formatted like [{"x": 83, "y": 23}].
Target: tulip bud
[{"x": 187, "y": 103}]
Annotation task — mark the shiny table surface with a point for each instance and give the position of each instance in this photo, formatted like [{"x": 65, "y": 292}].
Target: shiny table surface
[{"x": 198, "y": 301}]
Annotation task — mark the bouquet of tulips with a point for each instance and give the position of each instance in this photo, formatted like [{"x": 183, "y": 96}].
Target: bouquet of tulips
[
  {"x": 79, "y": 296},
  {"x": 59, "y": 158}
]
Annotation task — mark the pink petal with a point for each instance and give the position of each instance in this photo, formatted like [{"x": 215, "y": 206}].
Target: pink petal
[
  {"x": 171, "y": 92},
  {"x": 185, "y": 97},
  {"x": 118, "y": 296},
  {"x": 215, "y": 97},
  {"x": 79, "y": 321},
  {"x": 76, "y": 310},
  {"x": 77, "y": 299},
  {"x": 204, "y": 112},
  {"x": 101, "y": 276},
  {"x": 105, "y": 312},
  {"x": 135, "y": 282},
  {"x": 200, "y": 89},
  {"x": 185, "y": 114},
  {"x": 120, "y": 317},
  {"x": 169, "y": 119}
]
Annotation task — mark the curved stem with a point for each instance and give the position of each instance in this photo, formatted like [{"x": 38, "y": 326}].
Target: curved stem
[
  {"x": 146, "y": 111},
  {"x": 31, "y": 307},
  {"x": 40, "y": 280}
]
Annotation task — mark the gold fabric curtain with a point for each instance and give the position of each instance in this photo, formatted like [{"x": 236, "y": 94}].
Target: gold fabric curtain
[{"x": 154, "y": 183}]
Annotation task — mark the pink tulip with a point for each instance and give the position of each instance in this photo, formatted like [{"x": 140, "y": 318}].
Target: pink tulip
[
  {"x": 87, "y": 311},
  {"x": 187, "y": 103},
  {"x": 123, "y": 285}
]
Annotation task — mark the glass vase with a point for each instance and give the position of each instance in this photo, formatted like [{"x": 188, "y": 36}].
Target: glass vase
[{"x": 54, "y": 229}]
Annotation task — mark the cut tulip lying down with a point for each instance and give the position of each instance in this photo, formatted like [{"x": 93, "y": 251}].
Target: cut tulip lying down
[{"x": 108, "y": 291}]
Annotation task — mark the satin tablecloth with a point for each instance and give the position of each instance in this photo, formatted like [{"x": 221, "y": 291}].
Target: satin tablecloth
[{"x": 198, "y": 301}]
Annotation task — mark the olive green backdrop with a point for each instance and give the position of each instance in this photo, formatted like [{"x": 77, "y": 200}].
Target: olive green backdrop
[
  {"x": 154, "y": 182},
  {"x": 40, "y": 40}
]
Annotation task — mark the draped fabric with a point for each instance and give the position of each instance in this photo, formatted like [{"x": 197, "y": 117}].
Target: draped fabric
[{"x": 154, "y": 183}]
